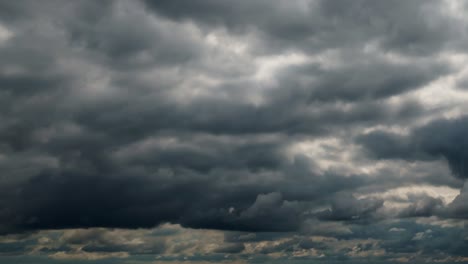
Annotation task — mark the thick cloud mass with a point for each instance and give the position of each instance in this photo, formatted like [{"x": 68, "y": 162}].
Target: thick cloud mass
[
  {"x": 233, "y": 131},
  {"x": 441, "y": 138}
]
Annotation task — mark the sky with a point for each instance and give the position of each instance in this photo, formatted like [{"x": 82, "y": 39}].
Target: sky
[{"x": 233, "y": 132}]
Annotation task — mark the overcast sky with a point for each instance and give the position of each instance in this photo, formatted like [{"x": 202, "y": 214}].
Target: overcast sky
[{"x": 233, "y": 132}]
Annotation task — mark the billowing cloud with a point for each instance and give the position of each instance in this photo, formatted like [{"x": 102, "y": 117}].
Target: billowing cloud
[
  {"x": 233, "y": 132},
  {"x": 443, "y": 138}
]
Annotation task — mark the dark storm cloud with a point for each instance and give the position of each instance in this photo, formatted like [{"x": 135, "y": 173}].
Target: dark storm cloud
[
  {"x": 458, "y": 207},
  {"x": 445, "y": 138},
  {"x": 360, "y": 80},
  {"x": 134, "y": 114},
  {"x": 416, "y": 27},
  {"x": 423, "y": 206},
  {"x": 121, "y": 38},
  {"x": 89, "y": 199},
  {"x": 346, "y": 207}
]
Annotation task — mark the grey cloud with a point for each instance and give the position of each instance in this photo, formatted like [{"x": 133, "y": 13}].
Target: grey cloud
[
  {"x": 89, "y": 199},
  {"x": 443, "y": 138},
  {"x": 124, "y": 37},
  {"x": 398, "y": 26},
  {"x": 448, "y": 241},
  {"x": 230, "y": 248},
  {"x": 13, "y": 248},
  {"x": 346, "y": 207},
  {"x": 463, "y": 82},
  {"x": 134, "y": 114},
  {"x": 272, "y": 209},
  {"x": 372, "y": 79},
  {"x": 458, "y": 208},
  {"x": 424, "y": 206}
]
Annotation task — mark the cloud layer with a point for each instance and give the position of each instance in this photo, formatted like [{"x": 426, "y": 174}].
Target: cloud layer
[{"x": 256, "y": 131}]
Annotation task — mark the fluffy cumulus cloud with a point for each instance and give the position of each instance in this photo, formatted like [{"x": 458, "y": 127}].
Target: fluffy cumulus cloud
[{"x": 216, "y": 131}]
